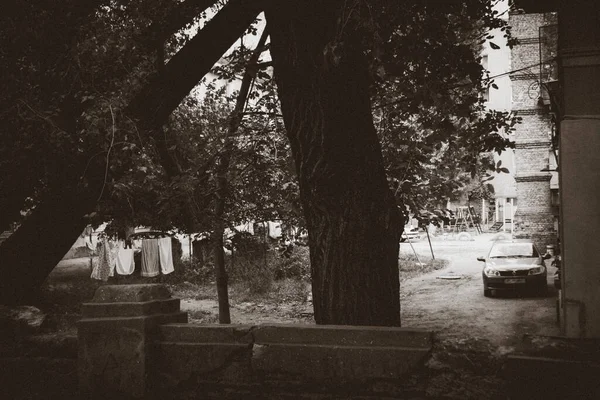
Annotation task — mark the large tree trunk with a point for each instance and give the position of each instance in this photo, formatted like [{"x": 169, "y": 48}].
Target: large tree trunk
[
  {"x": 353, "y": 222},
  {"x": 30, "y": 254},
  {"x": 43, "y": 239}
]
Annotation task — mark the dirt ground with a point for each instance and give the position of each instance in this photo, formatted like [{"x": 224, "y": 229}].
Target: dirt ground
[{"x": 456, "y": 309}]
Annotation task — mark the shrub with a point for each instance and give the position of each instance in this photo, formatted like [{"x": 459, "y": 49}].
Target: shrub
[
  {"x": 194, "y": 271},
  {"x": 296, "y": 266}
]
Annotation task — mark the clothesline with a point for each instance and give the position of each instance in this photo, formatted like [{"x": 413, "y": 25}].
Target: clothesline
[{"x": 118, "y": 255}]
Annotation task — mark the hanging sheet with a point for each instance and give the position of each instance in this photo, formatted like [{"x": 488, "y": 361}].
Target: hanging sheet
[
  {"x": 166, "y": 255},
  {"x": 150, "y": 258},
  {"x": 125, "y": 264}
]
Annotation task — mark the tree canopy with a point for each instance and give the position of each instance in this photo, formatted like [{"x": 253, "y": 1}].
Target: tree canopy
[{"x": 101, "y": 117}]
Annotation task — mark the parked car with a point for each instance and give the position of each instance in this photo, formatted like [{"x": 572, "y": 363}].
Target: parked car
[
  {"x": 513, "y": 265},
  {"x": 411, "y": 234}
]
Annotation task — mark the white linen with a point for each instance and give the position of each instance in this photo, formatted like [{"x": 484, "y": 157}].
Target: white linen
[{"x": 165, "y": 252}]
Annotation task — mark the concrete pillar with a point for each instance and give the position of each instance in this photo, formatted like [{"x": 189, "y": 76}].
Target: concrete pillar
[
  {"x": 512, "y": 215},
  {"x": 497, "y": 210},
  {"x": 114, "y": 338},
  {"x": 483, "y": 213},
  {"x": 579, "y": 53},
  {"x": 503, "y": 215}
]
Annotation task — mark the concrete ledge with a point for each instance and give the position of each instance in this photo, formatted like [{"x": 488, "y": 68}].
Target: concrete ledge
[
  {"x": 180, "y": 361},
  {"x": 185, "y": 333},
  {"x": 297, "y": 358},
  {"x": 327, "y": 361},
  {"x": 121, "y": 309},
  {"x": 131, "y": 293},
  {"x": 336, "y": 335},
  {"x": 141, "y": 323}
]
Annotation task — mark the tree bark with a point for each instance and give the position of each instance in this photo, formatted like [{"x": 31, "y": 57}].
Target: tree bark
[
  {"x": 353, "y": 222},
  {"x": 178, "y": 17},
  {"x": 157, "y": 100},
  {"x": 30, "y": 254}
]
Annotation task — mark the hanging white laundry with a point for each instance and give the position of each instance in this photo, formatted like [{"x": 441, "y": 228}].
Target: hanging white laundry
[
  {"x": 113, "y": 248},
  {"x": 150, "y": 258},
  {"x": 105, "y": 265},
  {"x": 166, "y": 255},
  {"x": 125, "y": 263}
]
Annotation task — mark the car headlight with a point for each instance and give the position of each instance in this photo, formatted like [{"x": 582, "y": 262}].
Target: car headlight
[
  {"x": 537, "y": 270},
  {"x": 489, "y": 271}
]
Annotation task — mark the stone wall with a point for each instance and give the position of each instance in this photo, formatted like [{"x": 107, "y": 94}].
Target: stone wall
[
  {"x": 286, "y": 361},
  {"x": 130, "y": 346},
  {"x": 134, "y": 342}
]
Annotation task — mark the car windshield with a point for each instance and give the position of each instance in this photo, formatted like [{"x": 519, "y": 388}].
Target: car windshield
[{"x": 510, "y": 250}]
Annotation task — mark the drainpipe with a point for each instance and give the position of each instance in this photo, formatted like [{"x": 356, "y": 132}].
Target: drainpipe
[
  {"x": 512, "y": 215},
  {"x": 503, "y": 214}
]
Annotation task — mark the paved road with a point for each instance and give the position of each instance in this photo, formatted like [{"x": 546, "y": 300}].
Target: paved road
[{"x": 457, "y": 308}]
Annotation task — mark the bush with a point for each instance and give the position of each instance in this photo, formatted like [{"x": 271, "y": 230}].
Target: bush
[
  {"x": 258, "y": 270},
  {"x": 297, "y": 266},
  {"x": 194, "y": 271},
  {"x": 291, "y": 290},
  {"x": 254, "y": 272}
]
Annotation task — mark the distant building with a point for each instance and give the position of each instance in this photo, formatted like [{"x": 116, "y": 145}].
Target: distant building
[
  {"x": 533, "y": 66},
  {"x": 526, "y": 199}
]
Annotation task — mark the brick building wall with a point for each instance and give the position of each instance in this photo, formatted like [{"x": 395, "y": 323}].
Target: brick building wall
[{"x": 533, "y": 218}]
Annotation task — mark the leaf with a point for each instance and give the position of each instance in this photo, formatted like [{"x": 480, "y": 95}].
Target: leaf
[
  {"x": 494, "y": 46},
  {"x": 504, "y": 170},
  {"x": 494, "y": 86}
]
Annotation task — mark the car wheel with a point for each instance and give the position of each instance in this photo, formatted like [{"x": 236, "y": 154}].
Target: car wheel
[{"x": 487, "y": 292}]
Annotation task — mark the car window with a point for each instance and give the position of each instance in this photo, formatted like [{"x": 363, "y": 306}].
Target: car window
[{"x": 506, "y": 250}]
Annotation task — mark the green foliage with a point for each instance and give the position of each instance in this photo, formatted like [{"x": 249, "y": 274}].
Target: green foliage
[
  {"x": 259, "y": 272},
  {"x": 296, "y": 266},
  {"x": 68, "y": 71},
  {"x": 428, "y": 111}
]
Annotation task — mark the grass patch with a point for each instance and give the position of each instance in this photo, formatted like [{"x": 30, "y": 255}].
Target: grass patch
[
  {"x": 287, "y": 290},
  {"x": 410, "y": 267}
]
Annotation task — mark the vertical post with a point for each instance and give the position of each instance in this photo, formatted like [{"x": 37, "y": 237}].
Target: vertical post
[
  {"x": 483, "y": 213},
  {"x": 512, "y": 215},
  {"x": 497, "y": 210},
  {"x": 429, "y": 240},
  {"x": 413, "y": 249},
  {"x": 503, "y": 214}
]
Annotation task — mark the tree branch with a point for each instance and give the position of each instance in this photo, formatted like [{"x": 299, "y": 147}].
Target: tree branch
[{"x": 157, "y": 100}]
